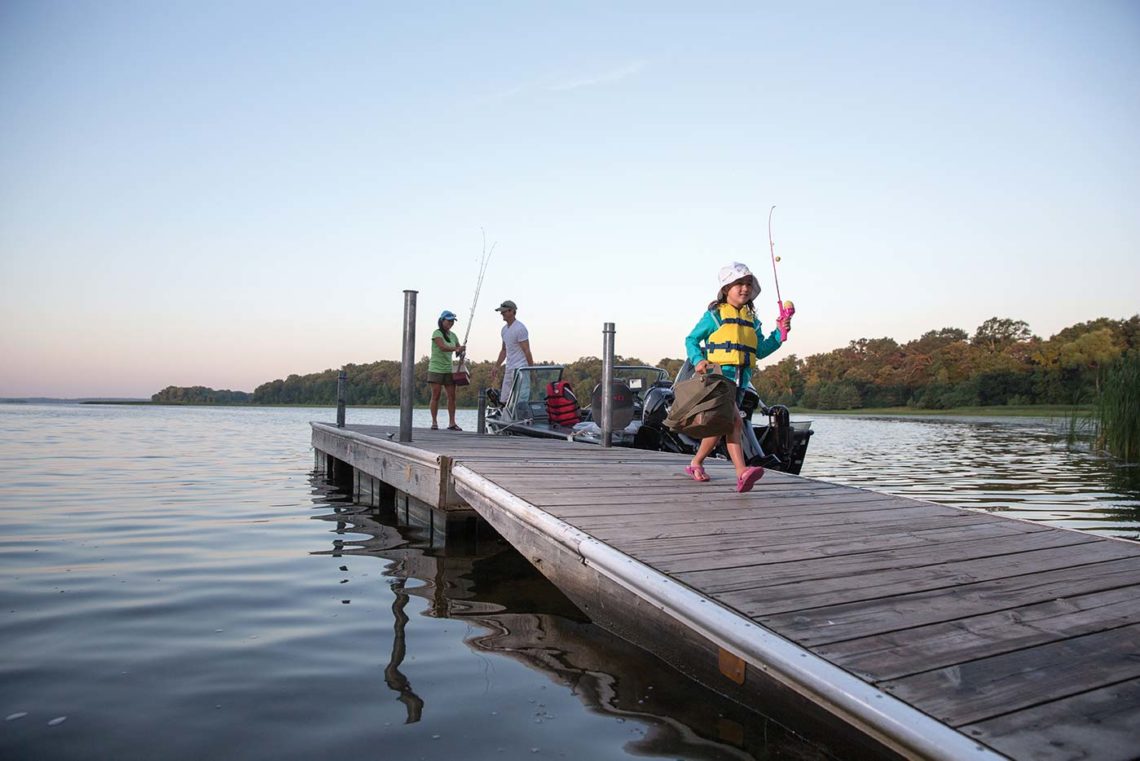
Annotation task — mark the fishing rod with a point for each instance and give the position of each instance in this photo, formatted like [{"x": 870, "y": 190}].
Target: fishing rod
[
  {"x": 479, "y": 282},
  {"x": 787, "y": 308}
]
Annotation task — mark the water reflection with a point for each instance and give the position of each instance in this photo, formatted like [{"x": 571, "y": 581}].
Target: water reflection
[
  {"x": 396, "y": 681},
  {"x": 516, "y": 613}
]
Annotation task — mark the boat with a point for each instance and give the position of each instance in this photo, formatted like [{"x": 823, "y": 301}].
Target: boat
[{"x": 641, "y": 397}]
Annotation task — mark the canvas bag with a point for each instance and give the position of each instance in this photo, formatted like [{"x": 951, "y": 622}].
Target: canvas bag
[
  {"x": 703, "y": 405},
  {"x": 460, "y": 372}
]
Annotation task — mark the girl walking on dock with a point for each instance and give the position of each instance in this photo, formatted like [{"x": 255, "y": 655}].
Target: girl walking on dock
[{"x": 728, "y": 336}]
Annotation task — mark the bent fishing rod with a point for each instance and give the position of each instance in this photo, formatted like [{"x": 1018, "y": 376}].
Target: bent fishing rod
[{"x": 787, "y": 308}]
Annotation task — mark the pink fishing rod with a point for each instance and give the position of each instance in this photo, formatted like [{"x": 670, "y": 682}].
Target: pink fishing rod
[{"x": 787, "y": 308}]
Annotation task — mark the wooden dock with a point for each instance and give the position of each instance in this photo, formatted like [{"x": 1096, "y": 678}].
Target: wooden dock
[{"x": 933, "y": 631}]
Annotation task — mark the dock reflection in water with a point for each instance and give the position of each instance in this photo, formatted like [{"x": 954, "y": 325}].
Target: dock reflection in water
[{"x": 515, "y": 612}]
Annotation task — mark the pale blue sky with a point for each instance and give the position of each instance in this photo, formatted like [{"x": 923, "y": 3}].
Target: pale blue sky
[{"x": 223, "y": 193}]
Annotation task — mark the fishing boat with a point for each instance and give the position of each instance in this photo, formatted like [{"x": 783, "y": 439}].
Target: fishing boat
[{"x": 640, "y": 398}]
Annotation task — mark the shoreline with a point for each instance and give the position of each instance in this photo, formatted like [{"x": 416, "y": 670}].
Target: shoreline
[
  {"x": 1040, "y": 410},
  {"x": 1027, "y": 410}
]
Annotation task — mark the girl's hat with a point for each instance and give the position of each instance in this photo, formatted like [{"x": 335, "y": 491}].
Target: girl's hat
[
  {"x": 447, "y": 315},
  {"x": 733, "y": 272}
]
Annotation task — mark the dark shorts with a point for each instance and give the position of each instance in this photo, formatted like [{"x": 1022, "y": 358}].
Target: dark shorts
[{"x": 444, "y": 378}]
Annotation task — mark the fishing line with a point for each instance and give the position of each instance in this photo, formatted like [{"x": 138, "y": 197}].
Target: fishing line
[
  {"x": 479, "y": 282},
  {"x": 787, "y": 308},
  {"x": 772, "y": 249}
]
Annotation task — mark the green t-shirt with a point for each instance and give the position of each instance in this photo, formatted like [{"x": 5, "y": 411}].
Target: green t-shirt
[{"x": 441, "y": 360}]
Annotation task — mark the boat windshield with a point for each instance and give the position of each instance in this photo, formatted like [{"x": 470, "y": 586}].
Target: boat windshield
[
  {"x": 639, "y": 378},
  {"x": 530, "y": 384}
]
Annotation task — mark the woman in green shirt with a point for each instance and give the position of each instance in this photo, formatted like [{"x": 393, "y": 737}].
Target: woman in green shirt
[{"x": 444, "y": 343}]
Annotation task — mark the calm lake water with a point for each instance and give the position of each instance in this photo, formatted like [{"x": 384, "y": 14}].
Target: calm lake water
[{"x": 177, "y": 585}]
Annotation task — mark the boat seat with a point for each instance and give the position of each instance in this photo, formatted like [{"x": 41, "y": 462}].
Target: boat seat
[
  {"x": 535, "y": 411},
  {"x": 622, "y": 410}
]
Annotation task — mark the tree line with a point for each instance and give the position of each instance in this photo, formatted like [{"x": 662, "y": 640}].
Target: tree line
[
  {"x": 1001, "y": 363},
  {"x": 200, "y": 395}
]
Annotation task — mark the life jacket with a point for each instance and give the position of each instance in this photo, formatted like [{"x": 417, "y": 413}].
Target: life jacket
[
  {"x": 561, "y": 404},
  {"x": 734, "y": 341}
]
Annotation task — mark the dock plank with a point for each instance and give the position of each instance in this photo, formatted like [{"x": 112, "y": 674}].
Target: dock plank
[
  {"x": 839, "y": 589},
  {"x": 781, "y": 547},
  {"x": 972, "y": 692},
  {"x": 615, "y": 529},
  {"x": 910, "y": 651},
  {"x": 1099, "y": 724},
  {"x": 735, "y": 569},
  {"x": 851, "y": 620}
]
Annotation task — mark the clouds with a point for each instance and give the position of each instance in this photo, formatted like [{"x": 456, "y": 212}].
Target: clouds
[
  {"x": 569, "y": 84},
  {"x": 606, "y": 78}
]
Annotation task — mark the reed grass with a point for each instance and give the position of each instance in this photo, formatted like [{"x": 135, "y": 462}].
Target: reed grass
[
  {"x": 1118, "y": 409},
  {"x": 1081, "y": 428}
]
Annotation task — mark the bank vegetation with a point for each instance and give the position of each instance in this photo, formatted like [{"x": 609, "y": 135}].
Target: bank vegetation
[{"x": 1000, "y": 363}]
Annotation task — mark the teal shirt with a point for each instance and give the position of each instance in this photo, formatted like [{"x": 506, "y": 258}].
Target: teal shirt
[
  {"x": 441, "y": 360},
  {"x": 707, "y": 325}
]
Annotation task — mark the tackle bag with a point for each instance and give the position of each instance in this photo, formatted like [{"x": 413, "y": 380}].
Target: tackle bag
[
  {"x": 703, "y": 405},
  {"x": 460, "y": 373},
  {"x": 561, "y": 404}
]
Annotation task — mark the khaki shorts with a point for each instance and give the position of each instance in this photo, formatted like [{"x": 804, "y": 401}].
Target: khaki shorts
[{"x": 444, "y": 378}]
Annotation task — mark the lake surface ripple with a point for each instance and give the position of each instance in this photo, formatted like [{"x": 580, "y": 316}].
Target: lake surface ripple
[
  {"x": 1018, "y": 467},
  {"x": 178, "y": 585}
]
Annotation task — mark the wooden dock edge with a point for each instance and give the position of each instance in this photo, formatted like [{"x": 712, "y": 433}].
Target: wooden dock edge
[
  {"x": 655, "y": 612},
  {"x": 422, "y": 474}
]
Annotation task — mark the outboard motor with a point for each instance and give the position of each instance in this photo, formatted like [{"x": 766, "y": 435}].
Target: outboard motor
[
  {"x": 748, "y": 400},
  {"x": 754, "y": 454},
  {"x": 782, "y": 429},
  {"x": 656, "y": 406},
  {"x": 652, "y": 433}
]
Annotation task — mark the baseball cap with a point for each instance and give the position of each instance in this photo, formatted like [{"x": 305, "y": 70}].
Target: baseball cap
[
  {"x": 508, "y": 304},
  {"x": 448, "y": 315}
]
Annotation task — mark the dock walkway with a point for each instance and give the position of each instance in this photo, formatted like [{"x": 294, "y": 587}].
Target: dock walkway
[{"x": 937, "y": 631}]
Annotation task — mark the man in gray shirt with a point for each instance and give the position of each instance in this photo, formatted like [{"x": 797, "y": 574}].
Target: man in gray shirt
[{"x": 515, "y": 351}]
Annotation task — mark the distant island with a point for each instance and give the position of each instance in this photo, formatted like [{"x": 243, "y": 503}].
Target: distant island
[
  {"x": 79, "y": 400},
  {"x": 1001, "y": 363}
]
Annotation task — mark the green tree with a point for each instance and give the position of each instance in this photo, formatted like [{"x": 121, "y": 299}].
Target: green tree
[
  {"x": 781, "y": 383},
  {"x": 998, "y": 332}
]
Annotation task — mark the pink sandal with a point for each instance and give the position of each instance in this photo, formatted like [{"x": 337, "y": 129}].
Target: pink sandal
[
  {"x": 697, "y": 473},
  {"x": 749, "y": 478}
]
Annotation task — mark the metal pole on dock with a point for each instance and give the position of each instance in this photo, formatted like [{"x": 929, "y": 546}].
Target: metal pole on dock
[
  {"x": 607, "y": 384},
  {"x": 481, "y": 428},
  {"x": 407, "y": 366},
  {"x": 341, "y": 382}
]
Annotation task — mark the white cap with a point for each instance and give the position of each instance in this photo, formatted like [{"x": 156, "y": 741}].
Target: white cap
[{"x": 733, "y": 272}]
